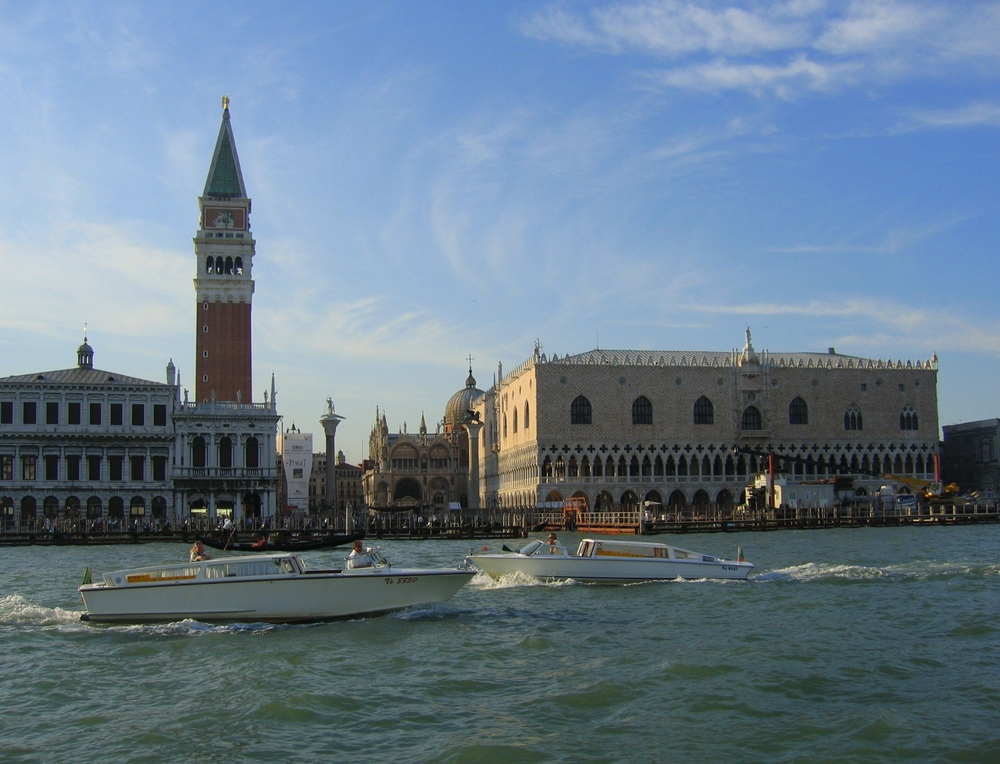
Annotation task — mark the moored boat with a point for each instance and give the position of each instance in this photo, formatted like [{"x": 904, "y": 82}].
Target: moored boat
[
  {"x": 274, "y": 588},
  {"x": 280, "y": 542},
  {"x": 603, "y": 561}
]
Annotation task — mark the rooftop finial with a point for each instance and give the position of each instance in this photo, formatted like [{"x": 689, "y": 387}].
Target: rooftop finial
[{"x": 225, "y": 103}]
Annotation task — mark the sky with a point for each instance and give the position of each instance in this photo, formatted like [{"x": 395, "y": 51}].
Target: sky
[{"x": 438, "y": 180}]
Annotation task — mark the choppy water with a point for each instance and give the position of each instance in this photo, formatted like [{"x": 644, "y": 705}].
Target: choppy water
[{"x": 845, "y": 646}]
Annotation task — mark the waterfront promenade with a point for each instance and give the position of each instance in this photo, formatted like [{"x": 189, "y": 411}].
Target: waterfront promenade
[{"x": 512, "y": 524}]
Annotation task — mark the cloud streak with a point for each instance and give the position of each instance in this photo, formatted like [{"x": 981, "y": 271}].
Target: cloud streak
[{"x": 785, "y": 49}]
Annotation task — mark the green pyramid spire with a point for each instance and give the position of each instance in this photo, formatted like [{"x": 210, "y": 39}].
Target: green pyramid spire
[{"x": 225, "y": 179}]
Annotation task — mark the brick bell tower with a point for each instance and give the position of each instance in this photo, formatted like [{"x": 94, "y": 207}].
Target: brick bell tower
[{"x": 224, "y": 250}]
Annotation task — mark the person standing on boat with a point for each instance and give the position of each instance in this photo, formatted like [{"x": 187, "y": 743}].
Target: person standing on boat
[{"x": 198, "y": 553}]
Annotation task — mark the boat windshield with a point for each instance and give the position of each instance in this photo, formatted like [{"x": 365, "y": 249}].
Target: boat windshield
[{"x": 531, "y": 548}]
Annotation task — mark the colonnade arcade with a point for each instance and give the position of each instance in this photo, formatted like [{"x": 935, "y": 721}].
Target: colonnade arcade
[
  {"x": 620, "y": 475},
  {"x": 113, "y": 507}
]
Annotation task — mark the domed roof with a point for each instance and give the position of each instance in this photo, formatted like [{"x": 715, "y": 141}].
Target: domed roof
[{"x": 460, "y": 403}]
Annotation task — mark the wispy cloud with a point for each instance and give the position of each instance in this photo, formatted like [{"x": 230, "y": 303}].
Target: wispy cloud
[
  {"x": 978, "y": 114},
  {"x": 786, "y": 48},
  {"x": 892, "y": 323},
  {"x": 893, "y": 242}
]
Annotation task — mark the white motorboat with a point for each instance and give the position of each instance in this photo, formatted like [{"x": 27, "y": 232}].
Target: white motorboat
[
  {"x": 601, "y": 561},
  {"x": 274, "y": 588}
]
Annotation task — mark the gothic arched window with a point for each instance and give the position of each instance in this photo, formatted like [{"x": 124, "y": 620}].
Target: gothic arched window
[
  {"x": 908, "y": 419},
  {"x": 798, "y": 412},
  {"x": 704, "y": 412},
  {"x": 852, "y": 419},
  {"x": 642, "y": 411},
  {"x": 580, "y": 411},
  {"x": 751, "y": 419}
]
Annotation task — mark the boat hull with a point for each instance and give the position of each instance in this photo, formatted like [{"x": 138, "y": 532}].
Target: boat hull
[
  {"x": 598, "y": 570},
  {"x": 311, "y": 597}
]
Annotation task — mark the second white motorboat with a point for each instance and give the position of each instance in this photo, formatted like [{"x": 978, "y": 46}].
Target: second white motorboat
[
  {"x": 274, "y": 588},
  {"x": 600, "y": 561}
]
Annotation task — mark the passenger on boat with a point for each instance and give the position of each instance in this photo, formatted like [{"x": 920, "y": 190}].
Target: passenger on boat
[
  {"x": 262, "y": 542},
  {"x": 554, "y": 546},
  {"x": 358, "y": 558},
  {"x": 198, "y": 553}
]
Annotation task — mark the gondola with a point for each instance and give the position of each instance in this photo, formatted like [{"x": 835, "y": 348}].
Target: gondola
[{"x": 278, "y": 543}]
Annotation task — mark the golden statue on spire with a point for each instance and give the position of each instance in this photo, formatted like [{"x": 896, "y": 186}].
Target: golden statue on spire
[{"x": 225, "y": 103}]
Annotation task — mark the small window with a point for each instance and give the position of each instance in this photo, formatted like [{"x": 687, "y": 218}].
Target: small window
[
  {"x": 798, "y": 412},
  {"x": 51, "y": 467},
  {"x": 137, "y": 470},
  {"x": 73, "y": 467},
  {"x": 138, "y": 414},
  {"x": 751, "y": 419},
  {"x": 642, "y": 411},
  {"x": 159, "y": 415},
  {"x": 94, "y": 467},
  {"x": 116, "y": 468},
  {"x": 7, "y": 412},
  {"x": 117, "y": 413},
  {"x": 704, "y": 411},
  {"x": 852, "y": 419},
  {"x": 28, "y": 467},
  {"x": 159, "y": 468},
  {"x": 52, "y": 412},
  {"x": 73, "y": 412},
  {"x": 29, "y": 413},
  {"x": 6, "y": 467},
  {"x": 95, "y": 413},
  {"x": 580, "y": 411}
]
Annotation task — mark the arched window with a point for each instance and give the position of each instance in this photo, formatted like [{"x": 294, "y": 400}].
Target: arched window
[
  {"x": 238, "y": 267},
  {"x": 751, "y": 419},
  {"x": 198, "y": 452},
  {"x": 505, "y": 426},
  {"x": 580, "y": 411},
  {"x": 852, "y": 419},
  {"x": 798, "y": 412},
  {"x": 527, "y": 420},
  {"x": 515, "y": 421},
  {"x": 251, "y": 458},
  {"x": 908, "y": 419},
  {"x": 226, "y": 453},
  {"x": 704, "y": 412},
  {"x": 210, "y": 265},
  {"x": 220, "y": 265},
  {"x": 229, "y": 266},
  {"x": 642, "y": 411}
]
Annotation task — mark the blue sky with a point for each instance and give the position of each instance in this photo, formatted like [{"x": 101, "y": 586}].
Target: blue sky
[{"x": 438, "y": 179}]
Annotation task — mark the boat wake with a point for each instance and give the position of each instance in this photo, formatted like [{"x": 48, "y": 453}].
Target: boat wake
[
  {"x": 18, "y": 610},
  {"x": 919, "y": 570},
  {"x": 514, "y": 581}
]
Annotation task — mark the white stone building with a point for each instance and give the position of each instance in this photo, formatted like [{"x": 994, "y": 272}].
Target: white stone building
[{"x": 624, "y": 427}]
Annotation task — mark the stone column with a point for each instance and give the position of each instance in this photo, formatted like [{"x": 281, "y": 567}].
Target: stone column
[
  {"x": 474, "y": 427},
  {"x": 330, "y": 420}
]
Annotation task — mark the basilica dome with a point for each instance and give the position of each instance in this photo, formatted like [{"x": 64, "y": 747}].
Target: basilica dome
[{"x": 460, "y": 403}]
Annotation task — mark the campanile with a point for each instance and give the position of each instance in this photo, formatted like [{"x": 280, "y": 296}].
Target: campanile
[{"x": 224, "y": 250}]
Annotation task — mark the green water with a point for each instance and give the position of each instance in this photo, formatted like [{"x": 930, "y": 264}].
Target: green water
[{"x": 845, "y": 646}]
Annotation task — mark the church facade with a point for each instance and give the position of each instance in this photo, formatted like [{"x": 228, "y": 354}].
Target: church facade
[{"x": 623, "y": 428}]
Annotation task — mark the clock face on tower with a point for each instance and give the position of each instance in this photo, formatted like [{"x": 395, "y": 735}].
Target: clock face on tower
[{"x": 225, "y": 218}]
